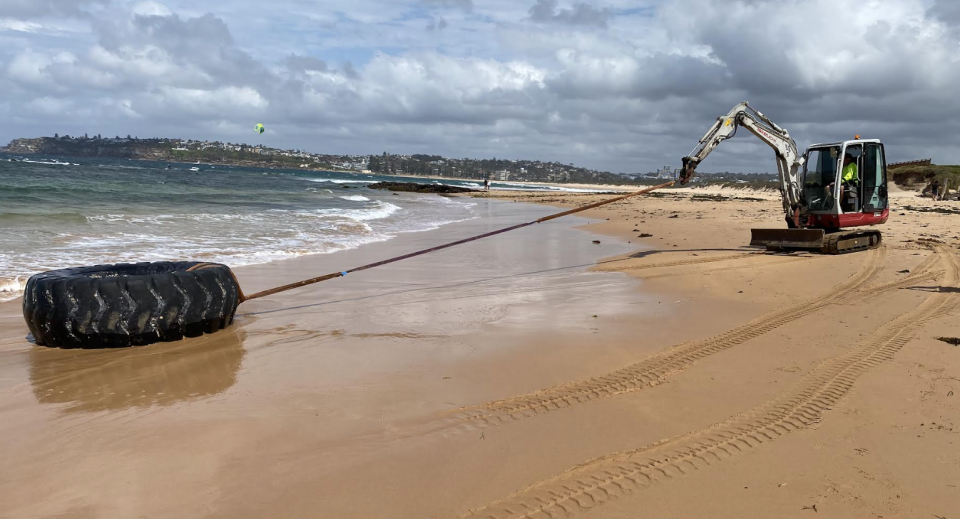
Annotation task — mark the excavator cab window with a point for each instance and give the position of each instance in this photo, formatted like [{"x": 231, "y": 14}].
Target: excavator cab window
[
  {"x": 819, "y": 174},
  {"x": 850, "y": 189},
  {"x": 874, "y": 178}
]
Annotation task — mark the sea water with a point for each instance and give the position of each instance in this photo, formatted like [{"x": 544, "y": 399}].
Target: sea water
[
  {"x": 66, "y": 213},
  {"x": 58, "y": 212}
]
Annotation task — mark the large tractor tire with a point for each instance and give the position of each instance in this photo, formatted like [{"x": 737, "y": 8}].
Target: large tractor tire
[{"x": 114, "y": 306}]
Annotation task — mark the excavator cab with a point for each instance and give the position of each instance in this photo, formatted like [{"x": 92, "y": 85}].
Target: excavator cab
[{"x": 844, "y": 184}]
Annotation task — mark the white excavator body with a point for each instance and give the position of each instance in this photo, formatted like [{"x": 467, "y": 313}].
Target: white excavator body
[{"x": 820, "y": 197}]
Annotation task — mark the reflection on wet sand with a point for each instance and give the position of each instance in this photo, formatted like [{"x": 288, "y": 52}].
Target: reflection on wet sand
[{"x": 159, "y": 374}]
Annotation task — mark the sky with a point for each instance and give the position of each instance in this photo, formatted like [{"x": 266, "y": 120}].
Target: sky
[{"x": 622, "y": 86}]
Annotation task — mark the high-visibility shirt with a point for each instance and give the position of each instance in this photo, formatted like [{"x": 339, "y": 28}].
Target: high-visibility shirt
[{"x": 849, "y": 173}]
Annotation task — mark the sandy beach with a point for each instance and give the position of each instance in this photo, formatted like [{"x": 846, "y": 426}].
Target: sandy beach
[{"x": 533, "y": 374}]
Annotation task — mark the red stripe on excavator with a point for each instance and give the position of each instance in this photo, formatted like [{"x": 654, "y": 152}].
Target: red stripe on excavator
[{"x": 835, "y": 221}]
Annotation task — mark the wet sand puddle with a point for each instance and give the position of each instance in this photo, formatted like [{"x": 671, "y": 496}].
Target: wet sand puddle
[{"x": 141, "y": 377}]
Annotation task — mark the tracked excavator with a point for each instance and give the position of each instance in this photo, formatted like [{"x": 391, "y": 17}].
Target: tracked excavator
[{"x": 822, "y": 200}]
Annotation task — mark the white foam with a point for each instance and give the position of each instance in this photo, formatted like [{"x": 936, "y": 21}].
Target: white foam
[
  {"x": 339, "y": 181},
  {"x": 51, "y": 163},
  {"x": 380, "y": 211},
  {"x": 356, "y": 198},
  {"x": 430, "y": 226},
  {"x": 235, "y": 239},
  {"x": 12, "y": 288}
]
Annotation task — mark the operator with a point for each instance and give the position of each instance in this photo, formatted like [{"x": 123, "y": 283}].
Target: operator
[{"x": 848, "y": 175}]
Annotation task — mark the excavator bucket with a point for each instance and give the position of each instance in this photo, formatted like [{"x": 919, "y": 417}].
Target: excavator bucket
[{"x": 781, "y": 239}]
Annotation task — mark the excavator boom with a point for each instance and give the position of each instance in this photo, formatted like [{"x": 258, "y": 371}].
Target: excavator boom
[{"x": 789, "y": 161}]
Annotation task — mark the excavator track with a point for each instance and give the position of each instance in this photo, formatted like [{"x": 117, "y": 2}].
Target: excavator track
[
  {"x": 845, "y": 242},
  {"x": 842, "y": 242}
]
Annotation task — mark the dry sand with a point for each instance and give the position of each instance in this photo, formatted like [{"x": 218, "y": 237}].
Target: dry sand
[{"x": 526, "y": 376}]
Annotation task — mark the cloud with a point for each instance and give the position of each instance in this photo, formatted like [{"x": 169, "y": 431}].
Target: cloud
[
  {"x": 305, "y": 63},
  {"x": 20, "y": 26},
  {"x": 580, "y": 14},
  {"x": 151, "y": 9},
  {"x": 496, "y": 78},
  {"x": 466, "y": 5},
  {"x": 947, "y": 11},
  {"x": 27, "y": 9},
  {"x": 189, "y": 51},
  {"x": 437, "y": 25}
]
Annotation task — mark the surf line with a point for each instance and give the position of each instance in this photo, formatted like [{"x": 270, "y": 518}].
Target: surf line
[{"x": 340, "y": 274}]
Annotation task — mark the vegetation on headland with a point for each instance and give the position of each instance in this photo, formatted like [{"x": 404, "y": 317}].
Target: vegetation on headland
[
  {"x": 176, "y": 150},
  {"x": 920, "y": 177}
]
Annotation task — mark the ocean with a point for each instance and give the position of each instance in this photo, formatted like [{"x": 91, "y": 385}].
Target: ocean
[{"x": 58, "y": 212}]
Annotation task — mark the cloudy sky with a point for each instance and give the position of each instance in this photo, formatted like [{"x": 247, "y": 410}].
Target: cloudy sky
[{"x": 619, "y": 85}]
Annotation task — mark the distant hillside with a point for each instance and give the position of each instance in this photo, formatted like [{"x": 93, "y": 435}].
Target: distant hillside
[
  {"x": 170, "y": 150},
  {"x": 177, "y": 150}
]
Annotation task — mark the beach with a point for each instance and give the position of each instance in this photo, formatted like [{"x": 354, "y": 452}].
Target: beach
[{"x": 531, "y": 374}]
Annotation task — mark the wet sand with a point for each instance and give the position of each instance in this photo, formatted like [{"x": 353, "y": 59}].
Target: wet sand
[
  {"x": 528, "y": 375},
  {"x": 310, "y": 386}
]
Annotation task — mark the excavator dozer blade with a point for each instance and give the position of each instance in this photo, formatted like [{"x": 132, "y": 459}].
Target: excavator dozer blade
[{"x": 780, "y": 239}]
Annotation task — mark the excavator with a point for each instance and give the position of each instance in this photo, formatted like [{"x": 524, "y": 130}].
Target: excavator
[{"x": 821, "y": 201}]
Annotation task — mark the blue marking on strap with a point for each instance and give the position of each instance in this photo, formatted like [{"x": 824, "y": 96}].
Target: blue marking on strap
[{"x": 343, "y": 273}]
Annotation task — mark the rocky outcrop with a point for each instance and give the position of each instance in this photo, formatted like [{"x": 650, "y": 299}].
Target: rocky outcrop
[{"x": 411, "y": 187}]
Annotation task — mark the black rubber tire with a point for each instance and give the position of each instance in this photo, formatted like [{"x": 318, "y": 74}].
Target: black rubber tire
[{"x": 129, "y": 304}]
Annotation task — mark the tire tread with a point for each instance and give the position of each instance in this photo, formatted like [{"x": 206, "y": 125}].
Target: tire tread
[{"x": 129, "y": 304}]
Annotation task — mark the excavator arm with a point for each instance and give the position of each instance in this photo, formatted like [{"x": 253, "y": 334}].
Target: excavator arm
[{"x": 789, "y": 161}]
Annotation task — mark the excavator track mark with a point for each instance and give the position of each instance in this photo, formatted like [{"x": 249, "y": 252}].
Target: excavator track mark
[
  {"x": 659, "y": 367},
  {"x": 601, "y": 480}
]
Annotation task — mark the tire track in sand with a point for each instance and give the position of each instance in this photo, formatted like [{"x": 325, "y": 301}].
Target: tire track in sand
[
  {"x": 657, "y": 368},
  {"x": 650, "y": 372},
  {"x": 727, "y": 268},
  {"x": 678, "y": 263},
  {"x": 597, "y": 481},
  {"x": 922, "y": 272}
]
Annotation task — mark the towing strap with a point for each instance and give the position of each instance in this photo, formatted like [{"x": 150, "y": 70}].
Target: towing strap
[{"x": 311, "y": 281}]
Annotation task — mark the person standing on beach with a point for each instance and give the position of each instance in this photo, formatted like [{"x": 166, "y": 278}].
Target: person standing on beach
[
  {"x": 935, "y": 189},
  {"x": 486, "y": 185}
]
